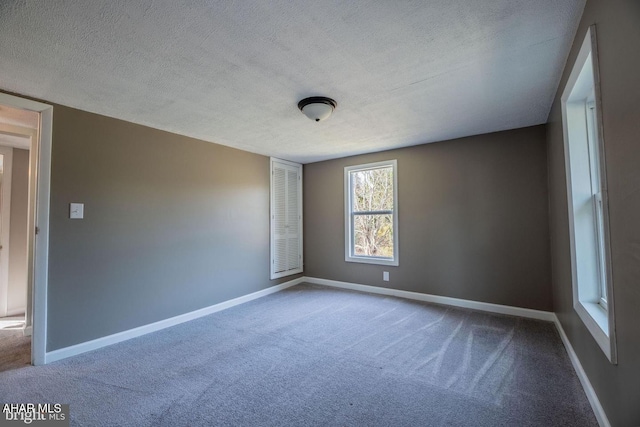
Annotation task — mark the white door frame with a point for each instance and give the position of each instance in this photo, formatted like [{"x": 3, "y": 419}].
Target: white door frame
[
  {"x": 5, "y": 213},
  {"x": 38, "y": 246}
]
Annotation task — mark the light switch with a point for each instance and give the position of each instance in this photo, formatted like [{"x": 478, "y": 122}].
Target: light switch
[
  {"x": 385, "y": 276},
  {"x": 76, "y": 210}
]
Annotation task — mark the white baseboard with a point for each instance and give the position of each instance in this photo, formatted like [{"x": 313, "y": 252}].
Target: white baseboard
[
  {"x": 601, "y": 416},
  {"x": 27, "y": 331},
  {"x": 456, "y": 302},
  {"x": 76, "y": 349},
  {"x": 16, "y": 312}
]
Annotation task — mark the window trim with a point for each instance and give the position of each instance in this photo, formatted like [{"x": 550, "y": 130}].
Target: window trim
[
  {"x": 348, "y": 225},
  {"x": 599, "y": 318}
]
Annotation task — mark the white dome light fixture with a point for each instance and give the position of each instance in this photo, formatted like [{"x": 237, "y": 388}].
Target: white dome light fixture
[{"x": 317, "y": 108}]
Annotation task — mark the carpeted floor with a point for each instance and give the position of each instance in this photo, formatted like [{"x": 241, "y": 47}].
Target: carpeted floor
[
  {"x": 312, "y": 355},
  {"x": 15, "y": 349}
]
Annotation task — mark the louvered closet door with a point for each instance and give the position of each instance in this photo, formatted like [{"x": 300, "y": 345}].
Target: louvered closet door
[{"x": 286, "y": 219}]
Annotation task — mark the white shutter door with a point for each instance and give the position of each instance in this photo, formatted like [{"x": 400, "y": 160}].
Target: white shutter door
[
  {"x": 293, "y": 259},
  {"x": 279, "y": 218},
  {"x": 286, "y": 218}
]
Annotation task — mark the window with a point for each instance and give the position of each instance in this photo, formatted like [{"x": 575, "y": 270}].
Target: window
[
  {"x": 286, "y": 218},
  {"x": 371, "y": 213},
  {"x": 587, "y": 198},
  {"x": 596, "y": 196}
]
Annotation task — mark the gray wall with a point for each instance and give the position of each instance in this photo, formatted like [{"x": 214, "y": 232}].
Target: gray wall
[
  {"x": 473, "y": 220},
  {"x": 172, "y": 224},
  {"x": 618, "y": 28},
  {"x": 18, "y": 231}
]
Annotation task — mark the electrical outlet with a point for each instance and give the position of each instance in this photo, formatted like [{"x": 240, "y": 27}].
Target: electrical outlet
[{"x": 385, "y": 276}]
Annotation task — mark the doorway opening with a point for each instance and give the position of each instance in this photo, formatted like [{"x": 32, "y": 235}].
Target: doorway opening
[{"x": 25, "y": 153}]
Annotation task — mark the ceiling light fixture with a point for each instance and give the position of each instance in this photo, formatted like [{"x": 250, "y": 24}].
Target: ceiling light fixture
[{"x": 317, "y": 108}]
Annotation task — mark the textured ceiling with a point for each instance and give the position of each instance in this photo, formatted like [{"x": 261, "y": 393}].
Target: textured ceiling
[{"x": 232, "y": 72}]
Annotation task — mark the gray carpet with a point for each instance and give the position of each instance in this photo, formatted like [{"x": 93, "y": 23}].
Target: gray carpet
[{"x": 312, "y": 355}]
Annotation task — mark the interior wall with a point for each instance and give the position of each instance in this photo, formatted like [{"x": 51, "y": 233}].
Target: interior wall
[
  {"x": 17, "y": 296},
  {"x": 473, "y": 220},
  {"x": 618, "y": 31},
  {"x": 171, "y": 225}
]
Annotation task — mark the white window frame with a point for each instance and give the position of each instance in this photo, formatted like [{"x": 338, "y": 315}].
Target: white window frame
[
  {"x": 289, "y": 166},
  {"x": 348, "y": 214},
  {"x": 587, "y": 197}
]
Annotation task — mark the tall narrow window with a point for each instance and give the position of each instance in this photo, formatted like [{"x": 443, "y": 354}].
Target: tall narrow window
[
  {"x": 371, "y": 213},
  {"x": 587, "y": 198},
  {"x": 286, "y": 218},
  {"x": 596, "y": 196}
]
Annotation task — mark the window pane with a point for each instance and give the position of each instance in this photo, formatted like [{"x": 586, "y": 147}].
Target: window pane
[
  {"x": 600, "y": 246},
  {"x": 373, "y": 235},
  {"x": 372, "y": 190},
  {"x": 592, "y": 144}
]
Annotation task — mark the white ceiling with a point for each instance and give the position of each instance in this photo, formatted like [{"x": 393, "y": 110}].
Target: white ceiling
[{"x": 232, "y": 72}]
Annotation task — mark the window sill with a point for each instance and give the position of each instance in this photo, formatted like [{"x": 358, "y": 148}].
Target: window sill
[
  {"x": 598, "y": 314},
  {"x": 596, "y": 319},
  {"x": 376, "y": 261}
]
